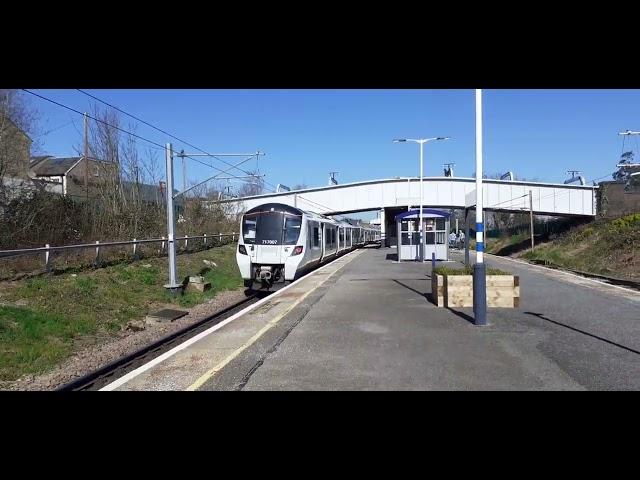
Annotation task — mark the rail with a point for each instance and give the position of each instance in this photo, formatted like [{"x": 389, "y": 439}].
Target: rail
[{"x": 97, "y": 245}]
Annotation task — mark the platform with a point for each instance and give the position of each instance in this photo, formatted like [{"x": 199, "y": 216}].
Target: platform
[{"x": 364, "y": 323}]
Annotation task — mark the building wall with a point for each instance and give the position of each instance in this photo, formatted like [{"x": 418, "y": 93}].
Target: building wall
[
  {"x": 15, "y": 150},
  {"x": 614, "y": 202},
  {"x": 99, "y": 175}
]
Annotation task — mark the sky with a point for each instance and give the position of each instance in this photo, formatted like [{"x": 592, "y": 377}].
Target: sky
[{"x": 537, "y": 134}]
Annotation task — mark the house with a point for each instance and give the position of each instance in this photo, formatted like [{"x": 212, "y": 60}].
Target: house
[
  {"x": 69, "y": 176},
  {"x": 150, "y": 193},
  {"x": 15, "y": 149},
  {"x": 72, "y": 172}
]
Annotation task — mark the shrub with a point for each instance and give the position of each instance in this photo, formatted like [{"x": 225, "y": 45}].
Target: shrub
[{"x": 466, "y": 270}]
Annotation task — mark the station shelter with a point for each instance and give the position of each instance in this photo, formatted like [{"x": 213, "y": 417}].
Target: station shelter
[{"x": 436, "y": 230}]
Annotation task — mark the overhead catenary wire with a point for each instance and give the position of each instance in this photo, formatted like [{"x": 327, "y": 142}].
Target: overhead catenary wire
[
  {"x": 167, "y": 133},
  {"x": 159, "y": 146}
]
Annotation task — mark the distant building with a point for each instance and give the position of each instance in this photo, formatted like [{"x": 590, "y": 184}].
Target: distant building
[
  {"x": 15, "y": 149},
  {"x": 69, "y": 173},
  {"x": 615, "y": 201}
]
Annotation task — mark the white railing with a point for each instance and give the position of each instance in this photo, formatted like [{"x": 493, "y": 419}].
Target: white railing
[{"x": 48, "y": 249}]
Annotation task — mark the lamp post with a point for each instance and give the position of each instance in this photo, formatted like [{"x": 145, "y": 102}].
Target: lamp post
[
  {"x": 479, "y": 269},
  {"x": 421, "y": 142}
]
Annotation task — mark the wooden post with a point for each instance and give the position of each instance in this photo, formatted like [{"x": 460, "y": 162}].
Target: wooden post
[
  {"x": 531, "y": 216},
  {"x": 86, "y": 158},
  {"x": 47, "y": 259},
  {"x": 97, "y": 260},
  {"x": 466, "y": 236}
]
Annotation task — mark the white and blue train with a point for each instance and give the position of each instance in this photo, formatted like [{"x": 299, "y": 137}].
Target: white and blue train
[{"x": 279, "y": 243}]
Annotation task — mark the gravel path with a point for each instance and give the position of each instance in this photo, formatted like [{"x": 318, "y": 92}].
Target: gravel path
[{"x": 113, "y": 346}]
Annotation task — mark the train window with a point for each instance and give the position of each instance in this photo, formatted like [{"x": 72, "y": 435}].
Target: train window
[
  {"x": 249, "y": 229},
  {"x": 263, "y": 228},
  {"x": 316, "y": 237},
  {"x": 342, "y": 235},
  {"x": 270, "y": 228},
  {"x": 291, "y": 229},
  {"x": 333, "y": 236},
  {"x": 327, "y": 236}
]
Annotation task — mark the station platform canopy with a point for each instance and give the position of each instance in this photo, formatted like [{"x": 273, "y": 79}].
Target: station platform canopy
[{"x": 426, "y": 213}]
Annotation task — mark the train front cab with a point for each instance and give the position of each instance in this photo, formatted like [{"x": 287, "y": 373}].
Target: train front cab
[{"x": 268, "y": 246}]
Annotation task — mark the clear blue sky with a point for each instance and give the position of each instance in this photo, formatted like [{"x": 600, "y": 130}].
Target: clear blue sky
[{"x": 307, "y": 133}]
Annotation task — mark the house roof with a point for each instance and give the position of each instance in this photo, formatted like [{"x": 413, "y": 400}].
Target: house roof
[
  {"x": 149, "y": 193},
  {"x": 52, "y": 166},
  {"x": 46, "y": 165}
]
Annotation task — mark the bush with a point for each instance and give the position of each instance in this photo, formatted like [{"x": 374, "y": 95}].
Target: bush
[
  {"x": 466, "y": 270},
  {"x": 625, "y": 223}
]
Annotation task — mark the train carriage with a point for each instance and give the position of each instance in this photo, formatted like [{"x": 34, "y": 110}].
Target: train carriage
[{"x": 279, "y": 243}]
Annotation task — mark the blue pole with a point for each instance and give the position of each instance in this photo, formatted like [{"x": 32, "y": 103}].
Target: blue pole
[{"x": 433, "y": 261}]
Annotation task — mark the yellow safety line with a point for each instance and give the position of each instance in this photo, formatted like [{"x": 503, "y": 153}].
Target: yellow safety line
[{"x": 210, "y": 373}]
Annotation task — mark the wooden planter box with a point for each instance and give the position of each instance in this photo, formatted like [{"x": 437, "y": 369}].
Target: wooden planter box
[{"x": 457, "y": 291}]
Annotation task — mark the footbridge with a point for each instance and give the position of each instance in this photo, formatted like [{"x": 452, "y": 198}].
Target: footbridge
[{"x": 438, "y": 192}]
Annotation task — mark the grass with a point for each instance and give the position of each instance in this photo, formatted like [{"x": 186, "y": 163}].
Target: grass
[
  {"x": 494, "y": 245},
  {"x": 466, "y": 270},
  {"x": 32, "y": 341},
  {"x": 43, "y": 320},
  {"x": 607, "y": 247}
]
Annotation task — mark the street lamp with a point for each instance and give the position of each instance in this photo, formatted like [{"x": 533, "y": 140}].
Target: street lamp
[{"x": 420, "y": 141}]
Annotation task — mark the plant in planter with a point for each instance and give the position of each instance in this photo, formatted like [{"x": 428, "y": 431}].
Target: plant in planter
[{"x": 453, "y": 287}]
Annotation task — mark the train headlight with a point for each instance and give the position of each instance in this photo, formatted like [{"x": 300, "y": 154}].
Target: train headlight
[
  {"x": 297, "y": 250},
  {"x": 242, "y": 249}
]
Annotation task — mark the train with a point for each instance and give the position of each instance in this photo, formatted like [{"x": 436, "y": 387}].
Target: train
[{"x": 279, "y": 243}]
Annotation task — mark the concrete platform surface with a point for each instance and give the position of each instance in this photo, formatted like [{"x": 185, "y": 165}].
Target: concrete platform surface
[
  {"x": 372, "y": 328},
  {"x": 189, "y": 365},
  {"x": 364, "y": 323}
]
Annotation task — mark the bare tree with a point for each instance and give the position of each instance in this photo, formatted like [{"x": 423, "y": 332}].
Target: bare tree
[
  {"x": 253, "y": 187},
  {"x": 17, "y": 119}
]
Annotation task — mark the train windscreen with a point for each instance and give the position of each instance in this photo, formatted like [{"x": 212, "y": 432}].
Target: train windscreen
[{"x": 271, "y": 228}]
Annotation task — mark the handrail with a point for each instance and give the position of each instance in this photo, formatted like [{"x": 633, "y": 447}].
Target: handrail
[{"x": 19, "y": 251}]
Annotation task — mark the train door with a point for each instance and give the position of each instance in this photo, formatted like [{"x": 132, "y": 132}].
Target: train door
[{"x": 273, "y": 230}]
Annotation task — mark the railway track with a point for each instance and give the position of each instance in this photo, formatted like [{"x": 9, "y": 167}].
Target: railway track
[
  {"x": 104, "y": 375},
  {"x": 612, "y": 280},
  {"x": 108, "y": 373}
]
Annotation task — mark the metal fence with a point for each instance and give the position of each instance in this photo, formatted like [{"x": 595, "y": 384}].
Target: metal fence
[{"x": 48, "y": 249}]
